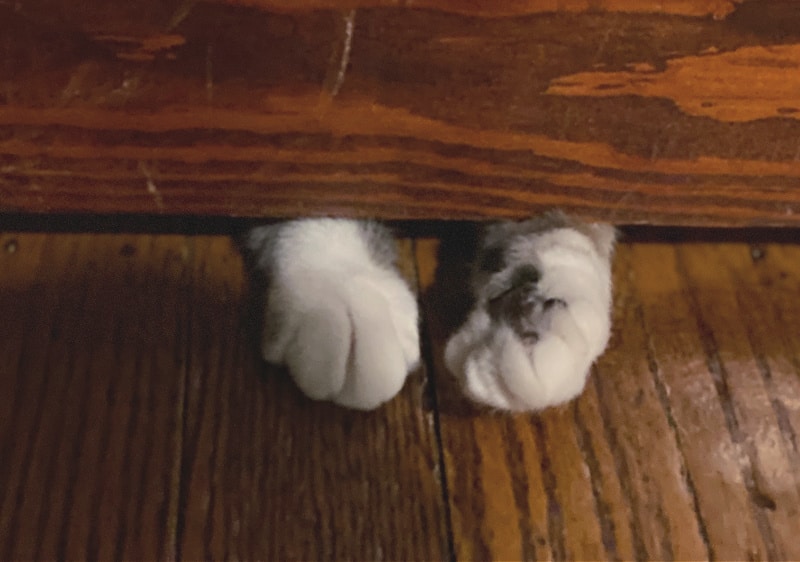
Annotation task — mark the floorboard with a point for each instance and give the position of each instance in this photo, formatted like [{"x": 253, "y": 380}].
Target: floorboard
[
  {"x": 138, "y": 422},
  {"x": 269, "y": 474},
  {"x": 683, "y": 445},
  {"x": 90, "y": 448}
]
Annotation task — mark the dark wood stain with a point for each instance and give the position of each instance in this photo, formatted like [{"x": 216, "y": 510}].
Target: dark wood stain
[
  {"x": 663, "y": 398},
  {"x": 751, "y": 411},
  {"x": 136, "y": 420},
  {"x": 442, "y": 110},
  {"x": 555, "y": 518},
  {"x": 720, "y": 376},
  {"x": 320, "y": 477},
  {"x": 603, "y": 509},
  {"x": 611, "y": 478},
  {"x": 62, "y": 509},
  {"x": 689, "y": 386},
  {"x": 521, "y": 491}
]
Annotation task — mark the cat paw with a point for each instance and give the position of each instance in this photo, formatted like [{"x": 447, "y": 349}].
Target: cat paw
[
  {"x": 338, "y": 314},
  {"x": 542, "y": 314}
]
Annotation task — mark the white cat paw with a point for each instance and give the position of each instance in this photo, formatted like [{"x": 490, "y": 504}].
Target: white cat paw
[
  {"x": 542, "y": 314},
  {"x": 338, "y": 314}
]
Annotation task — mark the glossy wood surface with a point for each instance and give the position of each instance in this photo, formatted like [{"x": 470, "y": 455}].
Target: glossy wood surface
[
  {"x": 136, "y": 421},
  {"x": 674, "y": 112}
]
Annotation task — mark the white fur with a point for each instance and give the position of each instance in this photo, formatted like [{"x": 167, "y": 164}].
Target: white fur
[
  {"x": 344, "y": 324},
  {"x": 498, "y": 368}
]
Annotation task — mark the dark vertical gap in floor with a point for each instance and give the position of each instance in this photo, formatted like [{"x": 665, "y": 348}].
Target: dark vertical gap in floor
[
  {"x": 555, "y": 519},
  {"x": 24, "y": 386},
  {"x": 607, "y": 529},
  {"x": 182, "y": 469},
  {"x": 76, "y": 315},
  {"x": 520, "y": 488},
  {"x": 720, "y": 378},
  {"x": 127, "y": 462},
  {"x": 433, "y": 396},
  {"x": 623, "y": 472},
  {"x": 23, "y": 360},
  {"x": 778, "y": 407},
  {"x": 663, "y": 399},
  {"x": 80, "y": 434}
]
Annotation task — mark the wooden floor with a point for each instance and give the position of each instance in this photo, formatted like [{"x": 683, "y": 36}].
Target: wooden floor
[{"x": 137, "y": 422}]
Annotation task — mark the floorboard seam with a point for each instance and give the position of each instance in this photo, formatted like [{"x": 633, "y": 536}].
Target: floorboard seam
[
  {"x": 720, "y": 378},
  {"x": 181, "y": 483},
  {"x": 782, "y": 418},
  {"x": 663, "y": 398},
  {"x": 430, "y": 375},
  {"x": 607, "y": 526}
]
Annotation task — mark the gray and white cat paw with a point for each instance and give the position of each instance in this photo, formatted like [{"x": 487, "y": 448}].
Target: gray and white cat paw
[
  {"x": 338, "y": 314},
  {"x": 542, "y": 313}
]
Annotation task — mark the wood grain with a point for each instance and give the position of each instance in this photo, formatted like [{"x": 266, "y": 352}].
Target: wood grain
[
  {"x": 766, "y": 457},
  {"x": 504, "y": 8},
  {"x": 631, "y": 112},
  {"x": 589, "y": 491},
  {"x": 681, "y": 440},
  {"x": 137, "y": 421},
  {"x": 766, "y": 291},
  {"x": 272, "y": 475},
  {"x": 719, "y": 86},
  {"x": 693, "y": 402},
  {"x": 92, "y": 388}
]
